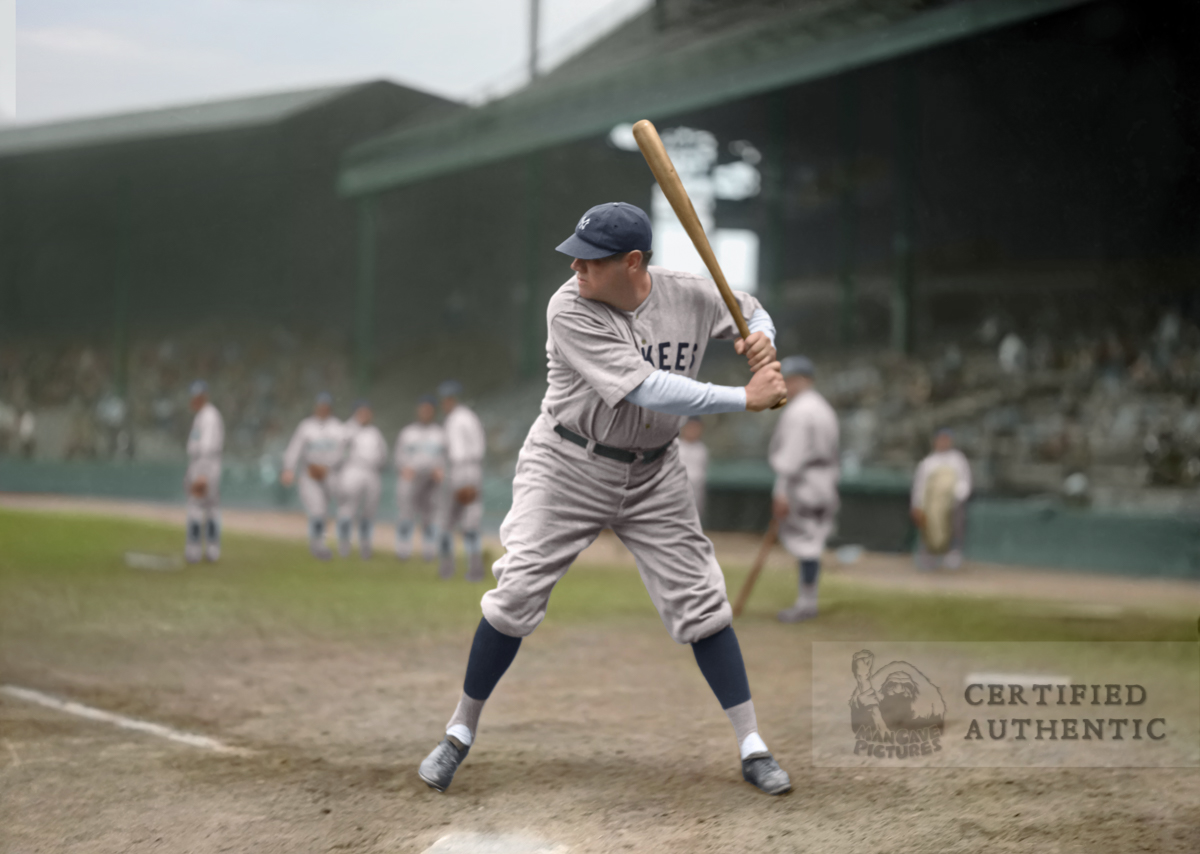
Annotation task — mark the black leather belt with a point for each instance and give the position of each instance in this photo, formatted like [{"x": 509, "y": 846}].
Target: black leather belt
[{"x": 618, "y": 454}]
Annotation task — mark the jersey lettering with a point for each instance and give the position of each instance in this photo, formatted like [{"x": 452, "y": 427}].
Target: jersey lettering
[{"x": 683, "y": 345}]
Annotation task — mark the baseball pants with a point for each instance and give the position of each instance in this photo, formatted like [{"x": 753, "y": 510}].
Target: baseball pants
[
  {"x": 417, "y": 501},
  {"x": 805, "y": 531},
  {"x": 563, "y": 496},
  {"x": 360, "y": 495},
  {"x": 465, "y": 517},
  {"x": 203, "y": 520},
  {"x": 316, "y": 496}
]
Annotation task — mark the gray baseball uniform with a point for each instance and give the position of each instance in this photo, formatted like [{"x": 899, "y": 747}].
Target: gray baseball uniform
[
  {"x": 565, "y": 494},
  {"x": 315, "y": 442},
  {"x": 421, "y": 455},
  {"x": 804, "y": 456},
  {"x": 204, "y": 447},
  {"x": 465, "y": 446}
]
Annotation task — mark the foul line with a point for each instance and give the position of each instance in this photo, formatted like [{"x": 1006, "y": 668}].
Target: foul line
[{"x": 73, "y": 708}]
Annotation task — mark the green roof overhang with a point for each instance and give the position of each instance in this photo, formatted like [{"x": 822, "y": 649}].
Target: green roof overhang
[{"x": 763, "y": 56}]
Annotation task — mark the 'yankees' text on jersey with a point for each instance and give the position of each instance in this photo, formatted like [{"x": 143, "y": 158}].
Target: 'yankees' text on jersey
[{"x": 598, "y": 354}]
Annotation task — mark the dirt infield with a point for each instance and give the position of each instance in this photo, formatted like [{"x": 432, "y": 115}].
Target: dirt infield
[{"x": 602, "y": 737}]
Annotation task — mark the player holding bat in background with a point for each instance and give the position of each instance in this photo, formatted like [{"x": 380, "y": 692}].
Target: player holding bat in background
[{"x": 625, "y": 342}]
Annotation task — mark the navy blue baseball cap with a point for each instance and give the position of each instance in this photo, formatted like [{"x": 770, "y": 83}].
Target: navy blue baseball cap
[{"x": 607, "y": 230}]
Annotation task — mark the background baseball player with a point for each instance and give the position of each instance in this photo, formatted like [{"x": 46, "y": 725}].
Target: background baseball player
[
  {"x": 203, "y": 478},
  {"x": 420, "y": 458},
  {"x": 804, "y": 455},
  {"x": 315, "y": 450},
  {"x": 363, "y": 458},
  {"x": 462, "y": 493},
  {"x": 693, "y": 453},
  {"x": 941, "y": 487},
  {"x": 624, "y": 344}
]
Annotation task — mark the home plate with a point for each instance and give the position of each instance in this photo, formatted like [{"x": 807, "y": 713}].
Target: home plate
[{"x": 493, "y": 843}]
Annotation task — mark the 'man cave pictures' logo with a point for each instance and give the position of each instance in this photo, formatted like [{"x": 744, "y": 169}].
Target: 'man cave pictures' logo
[{"x": 895, "y": 711}]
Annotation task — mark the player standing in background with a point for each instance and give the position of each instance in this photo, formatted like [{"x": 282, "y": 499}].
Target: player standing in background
[
  {"x": 941, "y": 487},
  {"x": 363, "y": 458},
  {"x": 624, "y": 344},
  {"x": 693, "y": 453},
  {"x": 462, "y": 495},
  {"x": 420, "y": 467},
  {"x": 317, "y": 446},
  {"x": 804, "y": 456},
  {"x": 203, "y": 478}
]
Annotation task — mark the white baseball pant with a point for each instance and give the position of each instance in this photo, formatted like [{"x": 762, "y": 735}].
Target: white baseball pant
[{"x": 563, "y": 496}]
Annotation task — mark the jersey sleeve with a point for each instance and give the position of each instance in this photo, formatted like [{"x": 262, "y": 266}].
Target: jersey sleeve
[
  {"x": 291, "y": 456},
  {"x": 723, "y": 325},
  {"x": 607, "y": 361}
]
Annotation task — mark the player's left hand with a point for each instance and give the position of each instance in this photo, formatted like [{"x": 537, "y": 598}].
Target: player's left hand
[
  {"x": 199, "y": 487},
  {"x": 757, "y": 349},
  {"x": 466, "y": 495}
]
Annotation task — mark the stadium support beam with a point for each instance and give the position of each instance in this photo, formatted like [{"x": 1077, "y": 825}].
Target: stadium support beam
[
  {"x": 532, "y": 357},
  {"x": 775, "y": 167},
  {"x": 365, "y": 297},
  {"x": 904, "y": 177},
  {"x": 122, "y": 273},
  {"x": 848, "y": 205}
]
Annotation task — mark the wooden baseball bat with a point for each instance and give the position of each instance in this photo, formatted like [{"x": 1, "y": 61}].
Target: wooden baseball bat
[
  {"x": 765, "y": 549},
  {"x": 668, "y": 179}
]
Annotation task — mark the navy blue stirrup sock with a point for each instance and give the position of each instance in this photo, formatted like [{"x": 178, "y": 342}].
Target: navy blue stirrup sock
[
  {"x": 491, "y": 654},
  {"x": 720, "y": 660},
  {"x": 809, "y": 570}
]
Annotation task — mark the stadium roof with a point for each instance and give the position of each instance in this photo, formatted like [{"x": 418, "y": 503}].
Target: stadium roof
[
  {"x": 680, "y": 70},
  {"x": 254, "y": 111}
]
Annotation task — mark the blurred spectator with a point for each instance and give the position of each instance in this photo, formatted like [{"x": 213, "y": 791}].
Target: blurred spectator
[
  {"x": 27, "y": 434},
  {"x": 941, "y": 487}
]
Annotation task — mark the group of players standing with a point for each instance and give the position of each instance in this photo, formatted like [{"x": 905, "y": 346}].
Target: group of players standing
[{"x": 337, "y": 468}]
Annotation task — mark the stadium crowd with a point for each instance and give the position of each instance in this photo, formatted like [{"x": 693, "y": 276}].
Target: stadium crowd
[{"x": 1090, "y": 417}]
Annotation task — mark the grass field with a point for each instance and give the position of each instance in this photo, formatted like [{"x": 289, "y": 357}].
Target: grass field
[{"x": 603, "y": 736}]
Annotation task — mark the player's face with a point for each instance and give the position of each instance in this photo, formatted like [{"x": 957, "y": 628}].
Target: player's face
[
  {"x": 323, "y": 411},
  {"x": 363, "y": 415},
  {"x": 425, "y": 413},
  {"x": 943, "y": 442},
  {"x": 197, "y": 402},
  {"x": 606, "y": 279},
  {"x": 692, "y": 431}
]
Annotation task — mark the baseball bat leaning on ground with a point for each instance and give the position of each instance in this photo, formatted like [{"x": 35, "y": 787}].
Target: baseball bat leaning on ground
[
  {"x": 668, "y": 179},
  {"x": 763, "y": 550}
]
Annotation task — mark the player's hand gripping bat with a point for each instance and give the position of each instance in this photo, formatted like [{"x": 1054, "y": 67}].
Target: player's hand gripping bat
[{"x": 668, "y": 179}]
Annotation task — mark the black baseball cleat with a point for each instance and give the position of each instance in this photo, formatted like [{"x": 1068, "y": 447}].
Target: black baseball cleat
[
  {"x": 764, "y": 772},
  {"x": 439, "y": 766}
]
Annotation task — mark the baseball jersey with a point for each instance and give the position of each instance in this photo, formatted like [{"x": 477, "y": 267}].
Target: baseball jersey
[
  {"x": 598, "y": 354},
  {"x": 953, "y": 459},
  {"x": 315, "y": 442},
  {"x": 465, "y": 445},
  {"x": 365, "y": 447},
  {"x": 694, "y": 456},
  {"x": 421, "y": 447},
  {"x": 207, "y": 438},
  {"x": 804, "y": 452}
]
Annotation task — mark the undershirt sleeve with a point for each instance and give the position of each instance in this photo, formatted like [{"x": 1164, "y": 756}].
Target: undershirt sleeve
[
  {"x": 674, "y": 394},
  {"x": 760, "y": 321}
]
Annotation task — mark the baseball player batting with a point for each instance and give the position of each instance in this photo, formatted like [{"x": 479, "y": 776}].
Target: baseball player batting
[
  {"x": 203, "y": 478},
  {"x": 625, "y": 342}
]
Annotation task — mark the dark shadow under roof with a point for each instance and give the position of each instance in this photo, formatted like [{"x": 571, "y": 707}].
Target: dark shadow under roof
[{"x": 678, "y": 73}]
